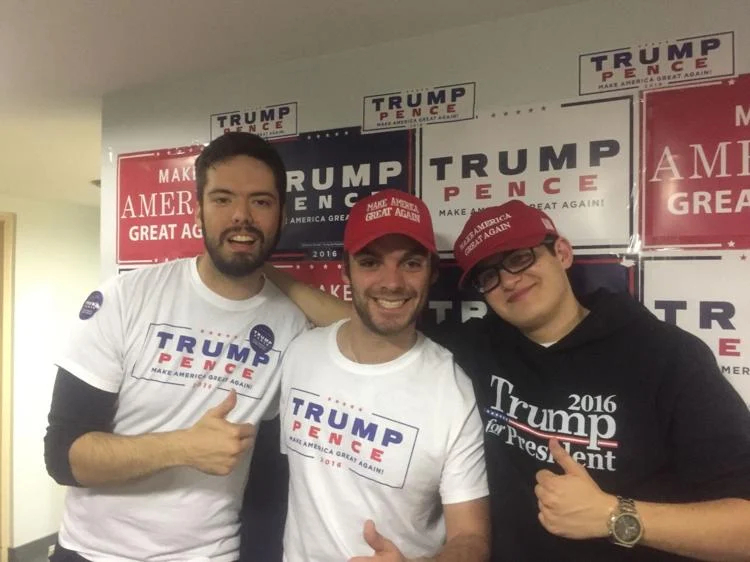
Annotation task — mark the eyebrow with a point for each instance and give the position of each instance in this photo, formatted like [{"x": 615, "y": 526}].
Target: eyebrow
[
  {"x": 219, "y": 190},
  {"x": 422, "y": 253},
  {"x": 226, "y": 191}
]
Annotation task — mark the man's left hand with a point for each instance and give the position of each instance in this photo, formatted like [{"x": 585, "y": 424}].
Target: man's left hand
[
  {"x": 572, "y": 505},
  {"x": 385, "y": 550}
]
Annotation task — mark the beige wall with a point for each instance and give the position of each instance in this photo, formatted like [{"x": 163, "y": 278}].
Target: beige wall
[{"x": 57, "y": 265}]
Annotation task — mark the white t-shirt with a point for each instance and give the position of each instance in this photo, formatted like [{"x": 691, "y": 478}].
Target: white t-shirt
[
  {"x": 172, "y": 348},
  {"x": 388, "y": 442}
]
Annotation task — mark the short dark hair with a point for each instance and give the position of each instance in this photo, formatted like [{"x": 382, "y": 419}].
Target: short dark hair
[
  {"x": 549, "y": 243},
  {"x": 232, "y": 144}
]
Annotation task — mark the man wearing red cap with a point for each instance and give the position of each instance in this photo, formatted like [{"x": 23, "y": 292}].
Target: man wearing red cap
[
  {"x": 379, "y": 424},
  {"x": 588, "y": 404},
  {"x": 601, "y": 422}
]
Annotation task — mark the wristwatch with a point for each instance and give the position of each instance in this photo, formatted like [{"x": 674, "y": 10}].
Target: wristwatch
[{"x": 624, "y": 523}]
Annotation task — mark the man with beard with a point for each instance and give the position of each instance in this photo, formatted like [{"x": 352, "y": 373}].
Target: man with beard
[
  {"x": 166, "y": 374},
  {"x": 379, "y": 424}
]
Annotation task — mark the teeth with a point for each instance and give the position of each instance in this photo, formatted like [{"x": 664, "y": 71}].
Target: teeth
[
  {"x": 390, "y": 304},
  {"x": 241, "y": 239}
]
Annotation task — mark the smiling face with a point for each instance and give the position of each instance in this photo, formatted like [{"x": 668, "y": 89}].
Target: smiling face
[
  {"x": 390, "y": 279},
  {"x": 536, "y": 297},
  {"x": 240, "y": 215}
]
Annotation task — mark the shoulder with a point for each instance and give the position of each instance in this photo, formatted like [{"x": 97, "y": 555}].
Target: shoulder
[
  {"x": 687, "y": 354},
  {"x": 444, "y": 369},
  {"x": 434, "y": 350},
  {"x": 147, "y": 278},
  {"x": 124, "y": 287},
  {"x": 460, "y": 338},
  {"x": 122, "y": 297},
  {"x": 623, "y": 317},
  {"x": 313, "y": 339},
  {"x": 669, "y": 338},
  {"x": 682, "y": 363},
  {"x": 282, "y": 303}
]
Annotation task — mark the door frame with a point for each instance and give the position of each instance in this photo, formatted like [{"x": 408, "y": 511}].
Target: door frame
[{"x": 8, "y": 230}]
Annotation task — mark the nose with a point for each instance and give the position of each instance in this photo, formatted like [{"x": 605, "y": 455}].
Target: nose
[
  {"x": 241, "y": 213},
  {"x": 392, "y": 277},
  {"x": 509, "y": 280}
]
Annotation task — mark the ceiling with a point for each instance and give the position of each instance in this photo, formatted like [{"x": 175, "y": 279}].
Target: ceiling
[{"x": 59, "y": 57}]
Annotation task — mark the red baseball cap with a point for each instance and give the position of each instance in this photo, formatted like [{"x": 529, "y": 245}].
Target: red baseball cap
[
  {"x": 388, "y": 212},
  {"x": 506, "y": 227}
]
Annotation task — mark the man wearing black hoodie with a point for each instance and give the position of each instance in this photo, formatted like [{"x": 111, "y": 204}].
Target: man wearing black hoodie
[
  {"x": 601, "y": 421},
  {"x": 602, "y": 424}
]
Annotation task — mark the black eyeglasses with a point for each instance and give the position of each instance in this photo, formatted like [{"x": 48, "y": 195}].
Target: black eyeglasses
[{"x": 517, "y": 261}]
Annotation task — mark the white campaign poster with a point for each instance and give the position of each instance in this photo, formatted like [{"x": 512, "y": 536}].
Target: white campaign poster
[
  {"x": 421, "y": 106},
  {"x": 657, "y": 64},
  {"x": 706, "y": 295},
  {"x": 270, "y": 122},
  {"x": 571, "y": 159}
]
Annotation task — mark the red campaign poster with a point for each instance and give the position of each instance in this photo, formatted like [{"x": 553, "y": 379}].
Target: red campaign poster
[
  {"x": 325, "y": 275},
  {"x": 156, "y": 206},
  {"x": 695, "y": 183}
]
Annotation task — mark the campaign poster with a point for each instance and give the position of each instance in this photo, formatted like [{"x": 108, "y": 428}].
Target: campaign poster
[
  {"x": 270, "y": 121},
  {"x": 156, "y": 206},
  {"x": 614, "y": 272},
  {"x": 695, "y": 191},
  {"x": 327, "y": 173},
  {"x": 324, "y": 275},
  {"x": 408, "y": 109},
  {"x": 657, "y": 64},
  {"x": 572, "y": 160},
  {"x": 716, "y": 312}
]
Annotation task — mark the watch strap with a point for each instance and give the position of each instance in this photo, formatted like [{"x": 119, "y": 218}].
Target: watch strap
[{"x": 624, "y": 506}]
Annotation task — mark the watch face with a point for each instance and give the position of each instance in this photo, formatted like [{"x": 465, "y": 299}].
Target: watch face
[{"x": 627, "y": 528}]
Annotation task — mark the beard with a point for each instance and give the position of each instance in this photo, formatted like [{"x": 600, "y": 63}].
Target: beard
[
  {"x": 239, "y": 264},
  {"x": 385, "y": 329}
]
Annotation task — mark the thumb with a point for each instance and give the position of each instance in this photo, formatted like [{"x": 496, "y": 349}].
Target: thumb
[
  {"x": 226, "y": 406},
  {"x": 376, "y": 541},
  {"x": 563, "y": 458}
]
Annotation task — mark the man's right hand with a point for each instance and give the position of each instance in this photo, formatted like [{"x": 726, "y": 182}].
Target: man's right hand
[{"x": 214, "y": 445}]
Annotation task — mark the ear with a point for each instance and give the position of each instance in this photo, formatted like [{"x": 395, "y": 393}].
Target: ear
[
  {"x": 564, "y": 252},
  {"x": 344, "y": 275}
]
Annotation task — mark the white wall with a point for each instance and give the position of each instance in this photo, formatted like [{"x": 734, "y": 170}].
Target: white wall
[
  {"x": 519, "y": 60},
  {"x": 56, "y": 267}
]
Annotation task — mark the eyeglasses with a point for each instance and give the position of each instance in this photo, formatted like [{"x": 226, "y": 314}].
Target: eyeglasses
[{"x": 517, "y": 261}]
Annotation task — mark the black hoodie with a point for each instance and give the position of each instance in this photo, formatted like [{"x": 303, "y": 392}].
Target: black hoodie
[{"x": 640, "y": 402}]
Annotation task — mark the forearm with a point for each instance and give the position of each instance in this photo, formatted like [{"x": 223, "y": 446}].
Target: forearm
[
  {"x": 713, "y": 530},
  {"x": 105, "y": 459},
  {"x": 321, "y": 308},
  {"x": 462, "y": 548}
]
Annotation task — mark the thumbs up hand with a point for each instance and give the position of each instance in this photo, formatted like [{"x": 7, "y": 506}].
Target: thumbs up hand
[
  {"x": 222, "y": 409},
  {"x": 214, "y": 445},
  {"x": 571, "y": 504},
  {"x": 385, "y": 550}
]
